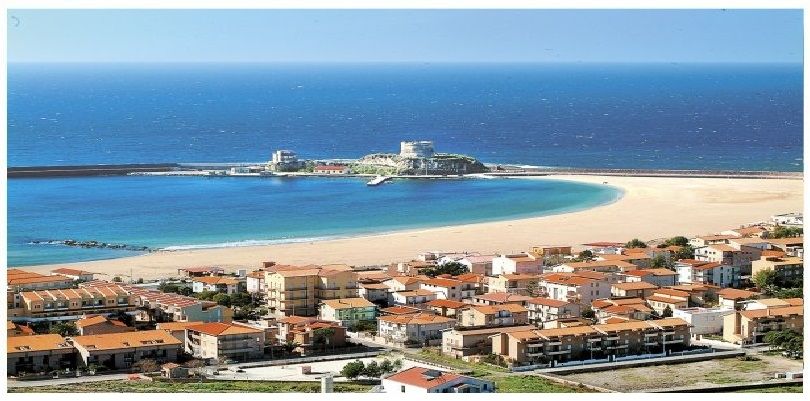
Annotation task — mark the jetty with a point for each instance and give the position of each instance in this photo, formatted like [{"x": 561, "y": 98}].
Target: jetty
[{"x": 378, "y": 180}]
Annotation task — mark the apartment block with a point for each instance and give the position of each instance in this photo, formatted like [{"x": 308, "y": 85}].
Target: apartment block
[
  {"x": 542, "y": 310},
  {"x": 461, "y": 343},
  {"x": 348, "y": 311},
  {"x": 122, "y": 350},
  {"x": 300, "y": 291},
  {"x": 493, "y": 316},
  {"x": 39, "y": 353},
  {"x": 413, "y": 329},
  {"x": 224, "y": 341},
  {"x": 751, "y": 326}
]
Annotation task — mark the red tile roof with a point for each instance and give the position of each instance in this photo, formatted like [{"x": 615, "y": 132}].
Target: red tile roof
[{"x": 423, "y": 377}]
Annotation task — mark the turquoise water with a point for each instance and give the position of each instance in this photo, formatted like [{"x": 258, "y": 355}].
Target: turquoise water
[{"x": 198, "y": 212}]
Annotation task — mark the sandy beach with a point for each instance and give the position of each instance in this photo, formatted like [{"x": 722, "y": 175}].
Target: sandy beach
[{"x": 652, "y": 207}]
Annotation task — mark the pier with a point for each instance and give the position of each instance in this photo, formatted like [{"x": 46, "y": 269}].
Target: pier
[{"x": 378, "y": 180}]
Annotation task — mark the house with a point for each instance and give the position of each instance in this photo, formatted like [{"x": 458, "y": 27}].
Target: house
[
  {"x": 624, "y": 308},
  {"x": 585, "y": 342},
  {"x": 664, "y": 298},
  {"x": 415, "y": 297},
  {"x": 423, "y": 380},
  {"x": 446, "y": 307},
  {"x": 76, "y": 275},
  {"x": 412, "y": 329},
  {"x": 522, "y": 263},
  {"x": 39, "y": 353},
  {"x": 751, "y": 326},
  {"x": 225, "y": 285},
  {"x": 223, "y": 340},
  {"x": 481, "y": 264},
  {"x": 637, "y": 258},
  {"x": 499, "y": 298},
  {"x": 660, "y": 277},
  {"x": 471, "y": 342},
  {"x": 493, "y": 316},
  {"x": 731, "y": 297},
  {"x": 751, "y": 231},
  {"x": 765, "y": 303},
  {"x": 404, "y": 283},
  {"x": 176, "y": 329},
  {"x": 412, "y": 268},
  {"x": 522, "y": 284},
  {"x": 20, "y": 280},
  {"x": 200, "y": 271},
  {"x": 156, "y": 306},
  {"x": 307, "y": 331},
  {"x": 703, "y": 320},
  {"x": 788, "y": 269},
  {"x": 471, "y": 284},
  {"x": 603, "y": 266},
  {"x": 791, "y": 246},
  {"x": 706, "y": 240},
  {"x": 61, "y": 304},
  {"x": 300, "y": 291},
  {"x": 331, "y": 169},
  {"x": 98, "y": 324},
  {"x": 542, "y": 251},
  {"x": 605, "y": 248},
  {"x": 698, "y": 293},
  {"x": 400, "y": 310},
  {"x": 173, "y": 371},
  {"x": 570, "y": 287},
  {"x": 728, "y": 255},
  {"x": 122, "y": 350},
  {"x": 348, "y": 311},
  {"x": 691, "y": 271},
  {"x": 255, "y": 282},
  {"x": 15, "y": 330},
  {"x": 788, "y": 219},
  {"x": 639, "y": 289},
  {"x": 542, "y": 310},
  {"x": 445, "y": 288},
  {"x": 375, "y": 292}
]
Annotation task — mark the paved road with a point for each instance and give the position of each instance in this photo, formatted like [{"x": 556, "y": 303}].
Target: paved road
[{"x": 67, "y": 380}]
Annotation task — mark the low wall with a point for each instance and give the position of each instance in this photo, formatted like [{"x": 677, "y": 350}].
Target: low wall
[
  {"x": 669, "y": 360},
  {"x": 722, "y": 388}
]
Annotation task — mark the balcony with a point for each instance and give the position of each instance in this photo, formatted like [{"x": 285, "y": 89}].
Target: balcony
[
  {"x": 612, "y": 338},
  {"x": 558, "y": 352},
  {"x": 616, "y": 346},
  {"x": 673, "y": 340},
  {"x": 553, "y": 343}
]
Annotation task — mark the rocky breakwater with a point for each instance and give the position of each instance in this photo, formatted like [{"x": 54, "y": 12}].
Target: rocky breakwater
[
  {"x": 437, "y": 164},
  {"x": 92, "y": 244}
]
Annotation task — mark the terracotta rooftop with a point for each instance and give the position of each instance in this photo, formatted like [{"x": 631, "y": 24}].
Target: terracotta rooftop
[
  {"x": 547, "y": 302},
  {"x": 69, "y": 272},
  {"x": 348, "y": 303},
  {"x": 502, "y": 297},
  {"x": 418, "y": 318},
  {"x": 176, "y": 326},
  {"x": 773, "y": 312},
  {"x": 42, "y": 342},
  {"x": 400, "y": 310},
  {"x": 222, "y": 329},
  {"x": 671, "y": 301},
  {"x": 733, "y": 293},
  {"x": 134, "y": 339},
  {"x": 423, "y": 377},
  {"x": 446, "y": 303},
  {"x": 637, "y": 285},
  {"x": 442, "y": 282},
  {"x": 492, "y": 309}
]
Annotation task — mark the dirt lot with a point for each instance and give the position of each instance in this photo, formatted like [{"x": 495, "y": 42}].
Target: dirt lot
[{"x": 718, "y": 371}]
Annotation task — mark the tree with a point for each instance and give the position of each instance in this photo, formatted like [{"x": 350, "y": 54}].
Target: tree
[
  {"x": 353, "y": 370},
  {"x": 585, "y": 255},
  {"x": 588, "y": 313},
  {"x": 206, "y": 295},
  {"x": 660, "y": 261},
  {"x": 398, "y": 364},
  {"x": 222, "y": 299},
  {"x": 764, "y": 279},
  {"x": 451, "y": 268},
  {"x": 786, "y": 232},
  {"x": 168, "y": 287},
  {"x": 187, "y": 291},
  {"x": 686, "y": 252},
  {"x": 140, "y": 280},
  {"x": 323, "y": 336},
  {"x": 147, "y": 365},
  {"x": 65, "y": 329},
  {"x": 677, "y": 241},
  {"x": 116, "y": 279},
  {"x": 667, "y": 312},
  {"x": 635, "y": 243},
  {"x": 126, "y": 318},
  {"x": 372, "y": 370},
  {"x": 532, "y": 288},
  {"x": 386, "y": 367}
]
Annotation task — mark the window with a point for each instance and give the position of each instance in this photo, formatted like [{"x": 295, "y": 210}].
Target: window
[{"x": 401, "y": 389}]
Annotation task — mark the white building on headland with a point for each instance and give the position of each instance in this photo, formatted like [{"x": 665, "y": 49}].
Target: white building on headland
[
  {"x": 416, "y": 149},
  {"x": 284, "y": 156}
]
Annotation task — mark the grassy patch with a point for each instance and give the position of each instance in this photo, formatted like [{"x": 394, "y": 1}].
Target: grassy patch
[
  {"x": 433, "y": 355},
  {"x": 787, "y": 388},
  {"x": 736, "y": 365},
  {"x": 532, "y": 384},
  {"x": 121, "y": 386}
]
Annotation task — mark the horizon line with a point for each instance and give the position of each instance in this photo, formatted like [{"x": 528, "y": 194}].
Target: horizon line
[{"x": 800, "y": 62}]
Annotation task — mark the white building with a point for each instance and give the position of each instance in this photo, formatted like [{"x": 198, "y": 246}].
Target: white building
[
  {"x": 703, "y": 320},
  {"x": 521, "y": 263},
  {"x": 713, "y": 273},
  {"x": 788, "y": 219},
  {"x": 416, "y": 149},
  {"x": 424, "y": 380}
]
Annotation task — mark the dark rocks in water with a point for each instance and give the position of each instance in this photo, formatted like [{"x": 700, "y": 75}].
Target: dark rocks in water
[{"x": 93, "y": 244}]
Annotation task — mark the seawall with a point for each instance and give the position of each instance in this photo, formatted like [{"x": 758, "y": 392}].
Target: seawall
[{"x": 88, "y": 170}]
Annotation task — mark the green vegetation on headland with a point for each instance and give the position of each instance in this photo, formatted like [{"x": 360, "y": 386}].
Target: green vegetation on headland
[
  {"x": 533, "y": 384},
  {"x": 223, "y": 386},
  {"x": 785, "y": 388}
]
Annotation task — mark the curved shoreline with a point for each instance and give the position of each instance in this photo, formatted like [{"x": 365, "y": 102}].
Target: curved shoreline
[{"x": 651, "y": 207}]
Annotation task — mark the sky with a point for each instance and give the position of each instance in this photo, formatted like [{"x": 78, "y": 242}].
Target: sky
[{"x": 153, "y": 36}]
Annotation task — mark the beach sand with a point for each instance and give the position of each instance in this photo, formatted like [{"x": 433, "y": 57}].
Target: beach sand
[{"x": 652, "y": 207}]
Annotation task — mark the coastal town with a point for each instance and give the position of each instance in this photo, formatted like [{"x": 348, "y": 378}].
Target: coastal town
[{"x": 552, "y": 318}]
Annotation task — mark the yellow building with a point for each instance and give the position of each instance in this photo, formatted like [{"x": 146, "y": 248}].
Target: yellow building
[
  {"x": 45, "y": 304},
  {"x": 750, "y": 326},
  {"x": 522, "y": 284},
  {"x": 787, "y": 268},
  {"x": 300, "y": 291}
]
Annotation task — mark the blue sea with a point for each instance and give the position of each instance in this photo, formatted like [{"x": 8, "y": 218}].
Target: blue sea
[{"x": 672, "y": 116}]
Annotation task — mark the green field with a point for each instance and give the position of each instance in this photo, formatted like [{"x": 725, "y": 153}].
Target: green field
[
  {"x": 532, "y": 384},
  {"x": 787, "y": 388},
  {"x": 121, "y": 386}
]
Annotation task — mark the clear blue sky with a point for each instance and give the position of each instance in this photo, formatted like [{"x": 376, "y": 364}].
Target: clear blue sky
[{"x": 405, "y": 35}]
